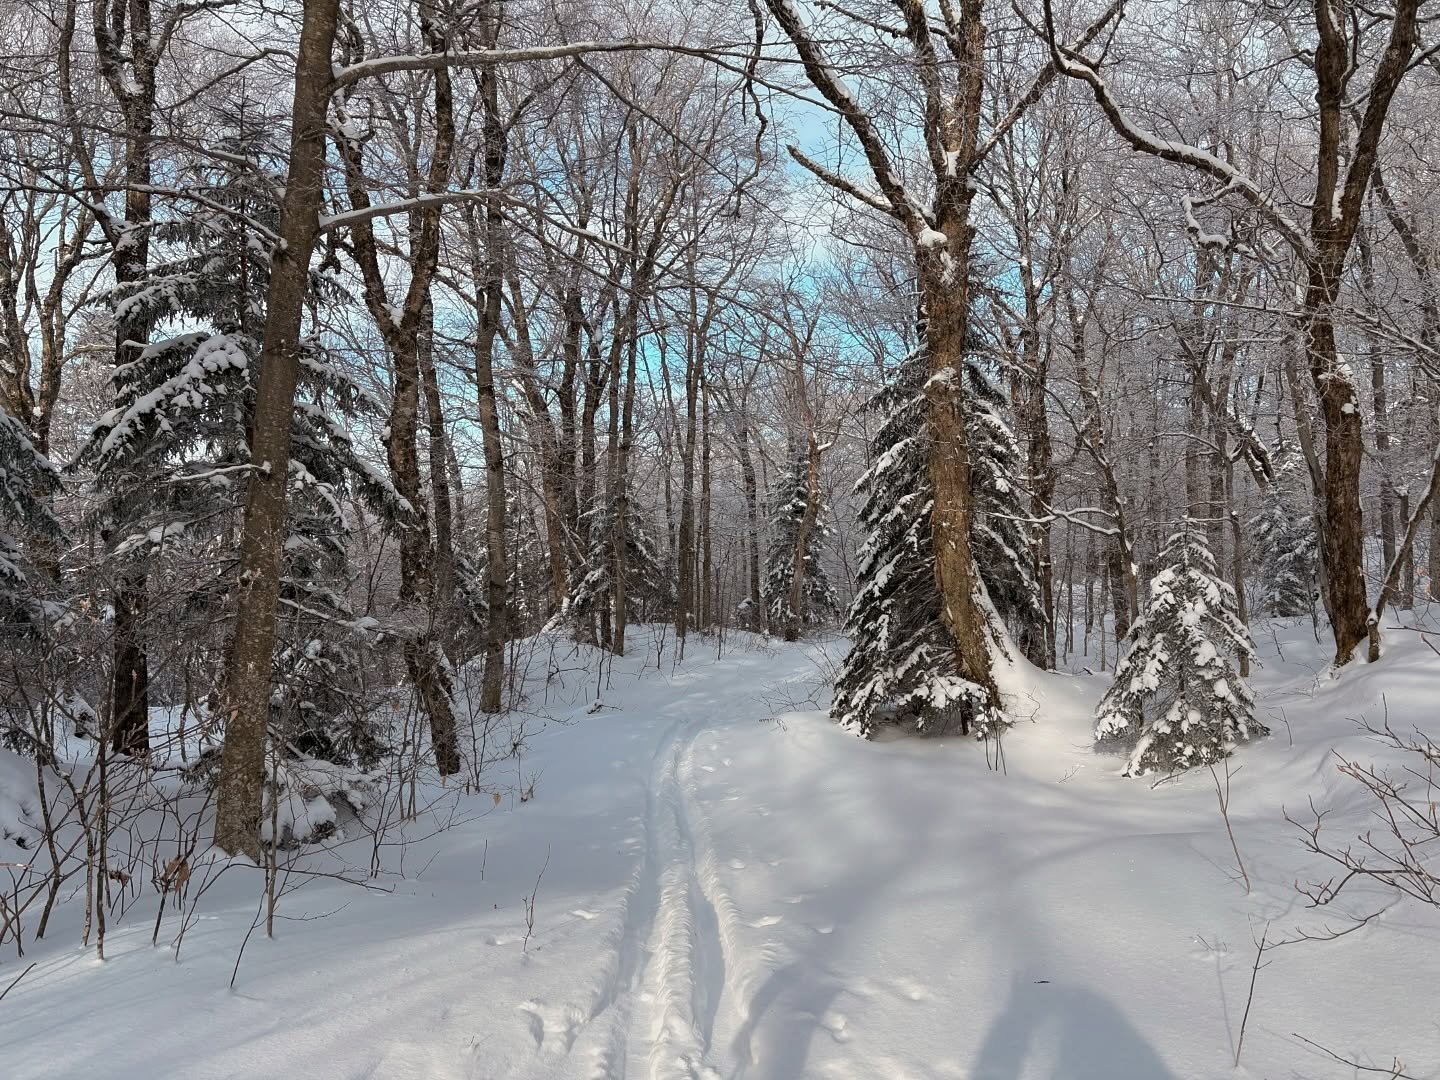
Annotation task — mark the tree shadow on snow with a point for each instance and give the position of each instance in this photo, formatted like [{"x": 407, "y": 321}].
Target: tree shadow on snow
[{"x": 1070, "y": 1032}]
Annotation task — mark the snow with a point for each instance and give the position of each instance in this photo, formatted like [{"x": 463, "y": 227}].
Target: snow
[
  {"x": 727, "y": 887},
  {"x": 930, "y": 239}
]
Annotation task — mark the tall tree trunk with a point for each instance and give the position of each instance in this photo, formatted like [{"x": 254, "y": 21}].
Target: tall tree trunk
[
  {"x": 808, "y": 520},
  {"x": 707, "y": 542},
  {"x": 694, "y": 358},
  {"x": 1343, "y": 539},
  {"x": 400, "y": 327},
  {"x": 436, "y": 460},
  {"x": 752, "y": 502},
  {"x": 1380, "y": 406},
  {"x": 946, "y": 293},
  {"x": 492, "y": 278},
  {"x": 248, "y": 665},
  {"x": 621, "y": 499},
  {"x": 124, "y": 39}
]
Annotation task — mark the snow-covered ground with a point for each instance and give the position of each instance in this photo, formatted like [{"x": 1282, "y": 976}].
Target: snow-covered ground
[{"x": 725, "y": 885}]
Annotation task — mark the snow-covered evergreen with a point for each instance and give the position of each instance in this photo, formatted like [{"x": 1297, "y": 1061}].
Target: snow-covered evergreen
[
  {"x": 1286, "y": 545},
  {"x": 649, "y": 592},
  {"x": 790, "y": 502},
  {"x": 173, "y": 456},
  {"x": 902, "y": 667},
  {"x": 1177, "y": 700},
  {"x": 27, "y": 480},
  {"x": 999, "y": 537}
]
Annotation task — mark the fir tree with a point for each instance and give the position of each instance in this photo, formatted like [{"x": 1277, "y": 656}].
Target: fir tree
[
  {"x": 902, "y": 665},
  {"x": 174, "y": 454},
  {"x": 999, "y": 536},
  {"x": 1287, "y": 546},
  {"x": 648, "y": 589},
  {"x": 27, "y": 480},
  {"x": 1177, "y": 700},
  {"x": 790, "y": 511}
]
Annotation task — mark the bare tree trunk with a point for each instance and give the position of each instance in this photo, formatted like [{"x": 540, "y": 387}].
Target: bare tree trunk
[
  {"x": 808, "y": 521},
  {"x": 752, "y": 504},
  {"x": 492, "y": 281},
  {"x": 401, "y": 329},
  {"x": 621, "y": 497},
  {"x": 707, "y": 543},
  {"x": 947, "y": 300},
  {"x": 694, "y": 359},
  {"x": 134, "y": 92},
  {"x": 436, "y": 455},
  {"x": 248, "y": 665}
]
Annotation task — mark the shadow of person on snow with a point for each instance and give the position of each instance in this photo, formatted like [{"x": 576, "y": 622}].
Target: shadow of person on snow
[{"x": 1070, "y": 1032}]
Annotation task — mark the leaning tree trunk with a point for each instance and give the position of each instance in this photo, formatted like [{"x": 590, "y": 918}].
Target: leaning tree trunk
[{"x": 248, "y": 665}]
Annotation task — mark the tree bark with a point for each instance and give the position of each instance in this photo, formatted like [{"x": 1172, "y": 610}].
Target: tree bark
[
  {"x": 249, "y": 663},
  {"x": 134, "y": 91},
  {"x": 401, "y": 330},
  {"x": 440, "y": 500}
]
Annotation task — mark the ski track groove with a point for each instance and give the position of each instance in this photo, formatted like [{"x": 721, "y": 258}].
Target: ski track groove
[{"x": 676, "y": 975}]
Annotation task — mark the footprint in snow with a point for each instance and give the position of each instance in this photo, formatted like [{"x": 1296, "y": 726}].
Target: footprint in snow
[
  {"x": 767, "y": 920},
  {"x": 737, "y": 864},
  {"x": 534, "y": 1020},
  {"x": 581, "y": 913},
  {"x": 912, "y": 990},
  {"x": 835, "y": 1023}
]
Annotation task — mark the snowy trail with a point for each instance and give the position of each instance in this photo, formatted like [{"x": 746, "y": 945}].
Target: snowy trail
[{"x": 725, "y": 890}]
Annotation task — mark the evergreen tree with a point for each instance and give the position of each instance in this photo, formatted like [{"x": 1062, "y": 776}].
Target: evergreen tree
[
  {"x": 27, "y": 480},
  {"x": 999, "y": 536},
  {"x": 174, "y": 454},
  {"x": 528, "y": 569},
  {"x": 902, "y": 667},
  {"x": 1177, "y": 700},
  {"x": 790, "y": 511},
  {"x": 648, "y": 589},
  {"x": 1287, "y": 546}
]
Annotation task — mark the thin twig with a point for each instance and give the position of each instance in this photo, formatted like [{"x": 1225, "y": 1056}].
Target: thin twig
[
  {"x": 16, "y": 981},
  {"x": 1250, "y": 997}
]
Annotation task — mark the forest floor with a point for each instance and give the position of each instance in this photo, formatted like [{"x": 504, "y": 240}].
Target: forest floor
[{"x": 725, "y": 885}]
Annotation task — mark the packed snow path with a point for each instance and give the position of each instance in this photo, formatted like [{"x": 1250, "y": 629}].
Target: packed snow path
[{"x": 727, "y": 887}]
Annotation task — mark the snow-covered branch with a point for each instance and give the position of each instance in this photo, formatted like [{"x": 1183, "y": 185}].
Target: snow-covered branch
[{"x": 1072, "y": 63}]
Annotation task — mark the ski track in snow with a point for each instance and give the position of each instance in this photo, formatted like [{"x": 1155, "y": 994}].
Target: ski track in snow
[
  {"x": 676, "y": 974},
  {"x": 729, "y": 900},
  {"x": 672, "y": 969}
]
